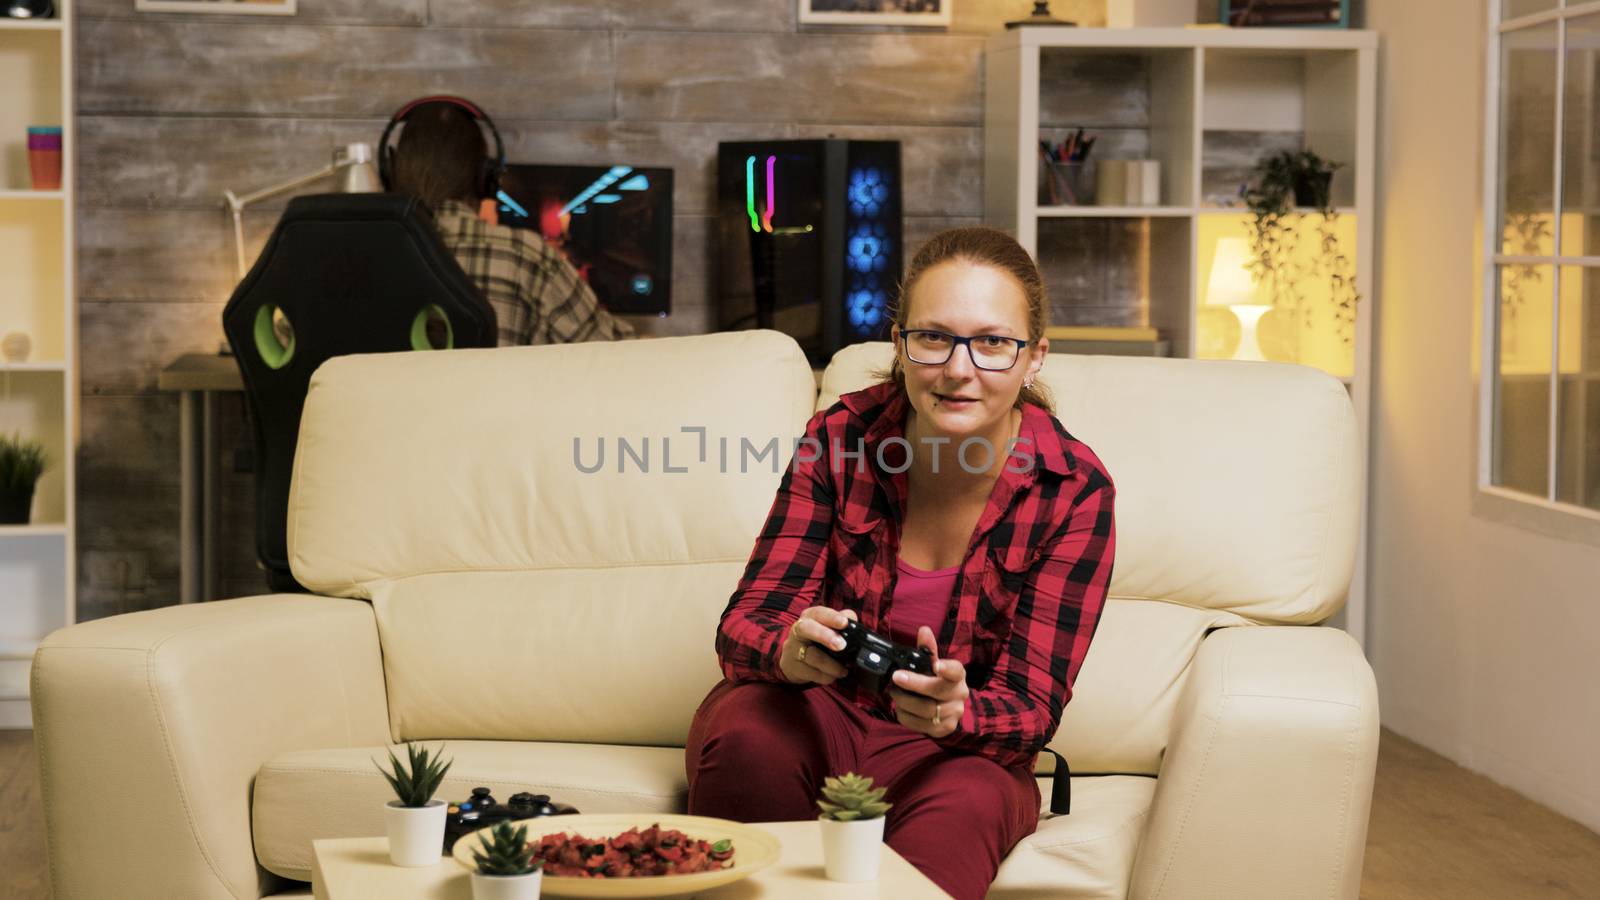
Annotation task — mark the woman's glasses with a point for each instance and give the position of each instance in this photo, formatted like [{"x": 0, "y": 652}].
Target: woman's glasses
[{"x": 990, "y": 352}]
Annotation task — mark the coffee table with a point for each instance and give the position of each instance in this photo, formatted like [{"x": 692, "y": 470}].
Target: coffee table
[{"x": 359, "y": 869}]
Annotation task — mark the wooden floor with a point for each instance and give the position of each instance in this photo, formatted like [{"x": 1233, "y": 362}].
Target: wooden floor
[
  {"x": 1438, "y": 832},
  {"x": 22, "y": 868}
]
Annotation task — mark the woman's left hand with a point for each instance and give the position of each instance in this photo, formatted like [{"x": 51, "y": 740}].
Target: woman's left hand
[{"x": 931, "y": 704}]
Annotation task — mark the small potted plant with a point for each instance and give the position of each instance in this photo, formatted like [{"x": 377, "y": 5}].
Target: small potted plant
[
  {"x": 506, "y": 867},
  {"x": 852, "y": 827},
  {"x": 21, "y": 464},
  {"x": 415, "y": 821}
]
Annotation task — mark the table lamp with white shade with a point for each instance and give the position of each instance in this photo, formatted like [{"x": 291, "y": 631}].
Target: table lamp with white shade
[{"x": 1231, "y": 285}]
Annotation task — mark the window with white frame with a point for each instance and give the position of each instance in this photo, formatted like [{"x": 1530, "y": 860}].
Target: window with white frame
[{"x": 1541, "y": 386}]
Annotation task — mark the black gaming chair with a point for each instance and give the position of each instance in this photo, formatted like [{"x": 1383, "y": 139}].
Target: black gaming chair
[{"x": 342, "y": 273}]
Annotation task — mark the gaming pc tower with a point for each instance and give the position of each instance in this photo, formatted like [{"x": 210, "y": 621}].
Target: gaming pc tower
[{"x": 809, "y": 239}]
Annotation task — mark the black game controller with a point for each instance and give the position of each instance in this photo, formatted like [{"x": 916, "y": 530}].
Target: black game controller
[
  {"x": 874, "y": 659},
  {"x": 482, "y": 811}
]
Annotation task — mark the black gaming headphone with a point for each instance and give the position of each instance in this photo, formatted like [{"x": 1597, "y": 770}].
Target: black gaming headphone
[{"x": 488, "y": 178}]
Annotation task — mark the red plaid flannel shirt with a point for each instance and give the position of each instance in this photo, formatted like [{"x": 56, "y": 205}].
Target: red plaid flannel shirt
[{"x": 1028, "y": 596}]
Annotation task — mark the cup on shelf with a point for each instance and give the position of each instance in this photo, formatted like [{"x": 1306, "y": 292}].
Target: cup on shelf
[
  {"x": 44, "y": 157},
  {"x": 1066, "y": 184}
]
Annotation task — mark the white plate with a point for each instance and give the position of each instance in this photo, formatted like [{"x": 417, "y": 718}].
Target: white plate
[{"x": 753, "y": 849}]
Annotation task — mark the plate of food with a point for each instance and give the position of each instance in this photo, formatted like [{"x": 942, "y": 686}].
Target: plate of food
[{"x": 638, "y": 854}]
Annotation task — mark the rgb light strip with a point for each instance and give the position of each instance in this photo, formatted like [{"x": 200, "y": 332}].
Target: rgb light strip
[
  {"x": 750, "y": 192},
  {"x": 772, "y": 193},
  {"x": 761, "y": 221}
]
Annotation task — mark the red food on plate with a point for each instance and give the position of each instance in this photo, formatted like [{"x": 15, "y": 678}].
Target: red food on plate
[{"x": 631, "y": 854}]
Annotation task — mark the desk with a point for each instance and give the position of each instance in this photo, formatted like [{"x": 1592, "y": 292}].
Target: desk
[{"x": 198, "y": 378}]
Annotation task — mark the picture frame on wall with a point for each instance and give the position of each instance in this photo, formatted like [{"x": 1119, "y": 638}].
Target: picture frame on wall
[
  {"x": 930, "y": 13},
  {"x": 1286, "y": 13},
  {"x": 223, "y": 7}
]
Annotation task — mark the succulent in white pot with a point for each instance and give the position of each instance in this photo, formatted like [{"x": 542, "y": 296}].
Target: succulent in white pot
[
  {"x": 852, "y": 827},
  {"x": 506, "y": 869},
  {"x": 415, "y": 821}
]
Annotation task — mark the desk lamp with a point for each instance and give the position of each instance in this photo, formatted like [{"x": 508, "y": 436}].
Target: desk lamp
[
  {"x": 1230, "y": 285},
  {"x": 360, "y": 176}
]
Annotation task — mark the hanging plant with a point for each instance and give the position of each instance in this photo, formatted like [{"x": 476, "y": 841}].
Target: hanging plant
[{"x": 1283, "y": 183}]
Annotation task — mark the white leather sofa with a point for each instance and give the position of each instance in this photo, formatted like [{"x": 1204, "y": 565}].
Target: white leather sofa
[{"x": 555, "y": 627}]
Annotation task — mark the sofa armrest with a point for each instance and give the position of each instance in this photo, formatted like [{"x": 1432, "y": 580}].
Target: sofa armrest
[
  {"x": 150, "y": 728},
  {"x": 1266, "y": 783}
]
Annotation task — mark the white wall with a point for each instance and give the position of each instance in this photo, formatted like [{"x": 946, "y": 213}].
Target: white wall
[{"x": 1485, "y": 637}]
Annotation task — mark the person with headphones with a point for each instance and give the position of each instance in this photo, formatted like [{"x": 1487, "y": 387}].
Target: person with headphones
[{"x": 443, "y": 160}]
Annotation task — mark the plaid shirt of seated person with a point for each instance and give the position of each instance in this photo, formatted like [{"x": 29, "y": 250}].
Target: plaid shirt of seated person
[
  {"x": 537, "y": 295},
  {"x": 1028, "y": 596}
]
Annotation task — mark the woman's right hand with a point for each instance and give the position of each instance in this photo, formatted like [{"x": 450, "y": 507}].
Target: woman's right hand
[{"x": 802, "y": 660}]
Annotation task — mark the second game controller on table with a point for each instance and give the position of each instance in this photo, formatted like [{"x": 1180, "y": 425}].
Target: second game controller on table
[{"x": 481, "y": 811}]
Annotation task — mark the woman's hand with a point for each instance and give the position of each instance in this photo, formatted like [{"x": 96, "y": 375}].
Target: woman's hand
[
  {"x": 802, "y": 660},
  {"x": 931, "y": 704}
]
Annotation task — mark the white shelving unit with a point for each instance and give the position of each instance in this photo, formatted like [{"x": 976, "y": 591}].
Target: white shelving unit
[
  {"x": 38, "y": 398},
  {"x": 1195, "y": 99}
]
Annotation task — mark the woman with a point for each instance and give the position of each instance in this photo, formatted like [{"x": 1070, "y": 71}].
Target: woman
[{"x": 995, "y": 563}]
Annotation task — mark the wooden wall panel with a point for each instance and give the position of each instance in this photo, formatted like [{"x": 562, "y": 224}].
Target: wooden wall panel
[
  {"x": 376, "y": 12},
  {"x": 167, "y": 161},
  {"x": 126, "y": 342},
  {"x": 672, "y": 15},
  {"x": 201, "y": 157},
  {"x": 843, "y": 78},
  {"x": 1093, "y": 90},
  {"x": 179, "y": 255},
  {"x": 1228, "y": 160},
  {"x": 128, "y": 491},
  {"x": 150, "y": 66},
  {"x": 175, "y": 109},
  {"x": 1092, "y": 270}
]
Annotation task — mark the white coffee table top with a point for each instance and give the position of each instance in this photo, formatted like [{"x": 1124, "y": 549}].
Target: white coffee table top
[{"x": 359, "y": 869}]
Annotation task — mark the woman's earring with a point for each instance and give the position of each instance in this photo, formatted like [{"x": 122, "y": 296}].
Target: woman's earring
[{"x": 1028, "y": 383}]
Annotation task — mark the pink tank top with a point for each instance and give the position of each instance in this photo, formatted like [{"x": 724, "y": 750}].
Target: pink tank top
[{"x": 920, "y": 598}]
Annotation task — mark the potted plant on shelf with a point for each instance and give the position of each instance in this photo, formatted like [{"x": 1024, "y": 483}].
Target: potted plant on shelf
[
  {"x": 415, "y": 821},
  {"x": 21, "y": 464},
  {"x": 506, "y": 869},
  {"x": 852, "y": 827},
  {"x": 1285, "y": 183}
]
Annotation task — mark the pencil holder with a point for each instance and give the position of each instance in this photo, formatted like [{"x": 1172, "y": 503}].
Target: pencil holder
[{"x": 1065, "y": 184}]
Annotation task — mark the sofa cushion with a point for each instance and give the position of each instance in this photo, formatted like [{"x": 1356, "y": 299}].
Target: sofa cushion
[
  {"x": 1087, "y": 855},
  {"x": 618, "y": 655},
  {"x": 1119, "y": 716},
  {"x": 478, "y": 460},
  {"x": 309, "y": 795}
]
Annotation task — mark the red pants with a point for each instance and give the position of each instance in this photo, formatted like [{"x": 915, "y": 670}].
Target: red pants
[{"x": 759, "y": 752}]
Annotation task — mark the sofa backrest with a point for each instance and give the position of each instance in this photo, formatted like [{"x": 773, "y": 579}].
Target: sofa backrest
[
  {"x": 1238, "y": 496},
  {"x": 520, "y": 598},
  {"x": 517, "y": 596}
]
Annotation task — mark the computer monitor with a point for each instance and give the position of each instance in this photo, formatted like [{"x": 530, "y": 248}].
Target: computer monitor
[{"x": 613, "y": 223}]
